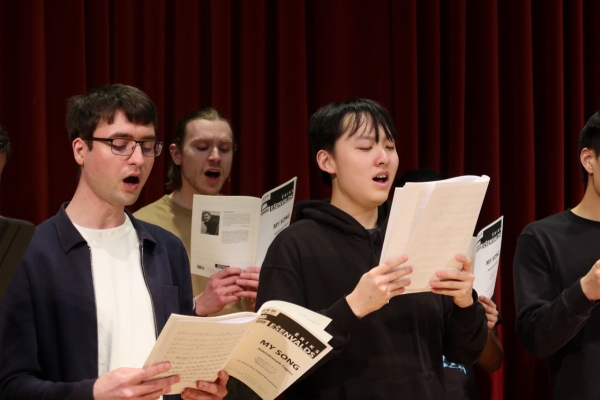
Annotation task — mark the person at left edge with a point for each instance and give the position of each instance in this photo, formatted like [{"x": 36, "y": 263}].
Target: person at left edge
[
  {"x": 5, "y": 149},
  {"x": 96, "y": 285}
]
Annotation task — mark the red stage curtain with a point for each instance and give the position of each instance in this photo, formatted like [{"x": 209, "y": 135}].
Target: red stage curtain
[{"x": 476, "y": 87}]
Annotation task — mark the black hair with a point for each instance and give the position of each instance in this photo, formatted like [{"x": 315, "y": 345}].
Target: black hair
[
  {"x": 590, "y": 138},
  {"x": 329, "y": 123}
]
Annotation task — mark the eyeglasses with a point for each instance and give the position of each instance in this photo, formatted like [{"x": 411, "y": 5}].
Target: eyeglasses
[{"x": 126, "y": 147}]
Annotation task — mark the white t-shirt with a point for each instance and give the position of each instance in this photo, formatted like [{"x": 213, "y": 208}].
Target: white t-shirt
[{"x": 126, "y": 324}]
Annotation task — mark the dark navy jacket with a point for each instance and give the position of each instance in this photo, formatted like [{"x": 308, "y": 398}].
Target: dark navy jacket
[{"x": 48, "y": 327}]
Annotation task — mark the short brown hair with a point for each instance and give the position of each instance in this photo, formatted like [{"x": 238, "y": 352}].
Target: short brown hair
[{"x": 86, "y": 112}]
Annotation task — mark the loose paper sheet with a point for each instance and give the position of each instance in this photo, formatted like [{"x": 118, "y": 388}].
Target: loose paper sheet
[{"x": 433, "y": 222}]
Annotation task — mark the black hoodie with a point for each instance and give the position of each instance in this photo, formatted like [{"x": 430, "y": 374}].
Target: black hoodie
[{"x": 394, "y": 352}]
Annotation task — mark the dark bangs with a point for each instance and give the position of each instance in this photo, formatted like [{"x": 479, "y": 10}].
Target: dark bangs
[{"x": 86, "y": 112}]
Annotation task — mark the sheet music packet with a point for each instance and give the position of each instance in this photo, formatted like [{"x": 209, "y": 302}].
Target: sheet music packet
[
  {"x": 246, "y": 228},
  {"x": 267, "y": 350},
  {"x": 431, "y": 222},
  {"x": 485, "y": 256}
]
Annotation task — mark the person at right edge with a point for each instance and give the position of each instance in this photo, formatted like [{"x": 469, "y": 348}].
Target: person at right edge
[
  {"x": 384, "y": 345},
  {"x": 557, "y": 283}
]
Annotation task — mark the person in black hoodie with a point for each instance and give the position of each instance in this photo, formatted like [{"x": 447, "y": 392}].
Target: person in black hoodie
[{"x": 384, "y": 345}]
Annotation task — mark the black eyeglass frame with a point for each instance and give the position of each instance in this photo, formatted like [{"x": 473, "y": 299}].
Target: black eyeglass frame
[{"x": 109, "y": 141}]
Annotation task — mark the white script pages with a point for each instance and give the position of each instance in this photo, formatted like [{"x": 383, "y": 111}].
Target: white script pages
[
  {"x": 432, "y": 222},
  {"x": 237, "y": 230},
  {"x": 268, "y": 351},
  {"x": 485, "y": 255}
]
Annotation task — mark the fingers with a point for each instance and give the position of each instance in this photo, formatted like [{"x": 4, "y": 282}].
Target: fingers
[
  {"x": 388, "y": 278},
  {"x": 455, "y": 283},
  {"x": 394, "y": 288},
  {"x": 487, "y": 302},
  {"x": 391, "y": 283},
  {"x": 249, "y": 284},
  {"x": 389, "y": 265},
  {"x": 398, "y": 287},
  {"x": 252, "y": 270},
  {"x": 215, "y": 282},
  {"x": 249, "y": 294},
  {"x": 451, "y": 288},
  {"x": 491, "y": 312},
  {"x": 398, "y": 273},
  {"x": 465, "y": 261},
  {"x": 135, "y": 383},
  {"x": 155, "y": 388},
  {"x": 248, "y": 280},
  {"x": 225, "y": 272},
  {"x": 155, "y": 369},
  {"x": 224, "y": 290},
  {"x": 223, "y": 284},
  {"x": 215, "y": 297},
  {"x": 208, "y": 390},
  {"x": 492, "y": 319},
  {"x": 452, "y": 274}
]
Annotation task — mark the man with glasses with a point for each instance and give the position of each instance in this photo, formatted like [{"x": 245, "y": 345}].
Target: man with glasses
[{"x": 96, "y": 285}]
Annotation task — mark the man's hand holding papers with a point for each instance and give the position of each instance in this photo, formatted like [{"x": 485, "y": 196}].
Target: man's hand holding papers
[
  {"x": 248, "y": 280},
  {"x": 226, "y": 286}
]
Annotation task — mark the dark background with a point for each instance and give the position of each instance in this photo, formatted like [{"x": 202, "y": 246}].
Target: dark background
[{"x": 500, "y": 88}]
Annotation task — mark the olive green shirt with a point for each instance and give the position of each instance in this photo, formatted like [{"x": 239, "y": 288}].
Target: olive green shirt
[{"x": 178, "y": 220}]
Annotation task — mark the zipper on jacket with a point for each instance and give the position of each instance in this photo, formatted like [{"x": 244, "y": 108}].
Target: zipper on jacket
[
  {"x": 96, "y": 309},
  {"x": 148, "y": 287}
]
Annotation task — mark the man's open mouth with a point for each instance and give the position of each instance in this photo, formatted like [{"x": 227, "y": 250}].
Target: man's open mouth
[
  {"x": 132, "y": 180},
  {"x": 381, "y": 178},
  {"x": 213, "y": 174}
]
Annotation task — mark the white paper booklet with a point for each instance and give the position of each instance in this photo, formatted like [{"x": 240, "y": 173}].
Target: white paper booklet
[
  {"x": 432, "y": 222},
  {"x": 268, "y": 351},
  {"x": 485, "y": 256},
  {"x": 237, "y": 230}
]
